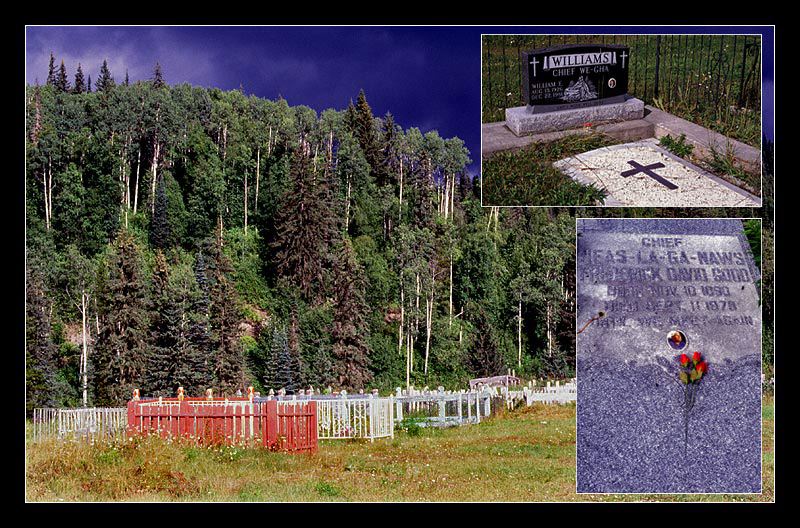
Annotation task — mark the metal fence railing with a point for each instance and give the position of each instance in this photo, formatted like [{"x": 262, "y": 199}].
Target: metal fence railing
[
  {"x": 713, "y": 80},
  {"x": 87, "y": 422}
]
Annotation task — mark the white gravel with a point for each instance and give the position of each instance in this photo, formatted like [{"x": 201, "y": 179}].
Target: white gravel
[{"x": 696, "y": 188}]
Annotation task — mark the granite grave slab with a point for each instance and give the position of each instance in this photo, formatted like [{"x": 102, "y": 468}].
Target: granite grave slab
[
  {"x": 641, "y": 283},
  {"x": 565, "y": 87},
  {"x": 642, "y": 174}
]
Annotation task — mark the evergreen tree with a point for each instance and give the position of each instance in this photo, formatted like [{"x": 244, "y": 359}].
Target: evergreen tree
[
  {"x": 174, "y": 361},
  {"x": 121, "y": 344},
  {"x": 226, "y": 359},
  {"x": 160, "y": 366},
  {"x": 305, "y": 225},
  {"x": 40, "y": 351},
  {"x": 199, "y": 326},
  {"x": 485, "y": 358},
  {"x": 106, "y": 82},
  {"x": 365, "y": 132},
  {"x": 271, "y": 378},
  {"x": 158, "y": 79},
  {"x": 350, "y": 332},
  {"x": 62, "y": 82},
  {"x": 51, "y": 72},
  {"x": 79, "y": 87}
]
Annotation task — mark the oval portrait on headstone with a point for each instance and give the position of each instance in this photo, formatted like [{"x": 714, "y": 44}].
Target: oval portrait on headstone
[
  {"x": 612, "y": 82},
  {"x": 677, "y": 340}
]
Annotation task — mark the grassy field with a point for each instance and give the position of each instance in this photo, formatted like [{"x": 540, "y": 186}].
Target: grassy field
[{"x": 526, "y": 455}]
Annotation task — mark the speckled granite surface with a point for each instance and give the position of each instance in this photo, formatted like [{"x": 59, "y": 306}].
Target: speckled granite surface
[
  {"x": 630, "y": 432},
  {"x": 651, "y": 277}
]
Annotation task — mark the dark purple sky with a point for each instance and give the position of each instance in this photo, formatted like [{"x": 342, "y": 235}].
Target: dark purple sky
[{"x": 428, "y": 77}]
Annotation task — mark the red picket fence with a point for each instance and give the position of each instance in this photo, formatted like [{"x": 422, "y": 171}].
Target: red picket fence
[{"x": 281, "y": 426}]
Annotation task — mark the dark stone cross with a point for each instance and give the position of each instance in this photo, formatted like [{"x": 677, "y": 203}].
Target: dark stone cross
[{"x": 637, "y": 168}]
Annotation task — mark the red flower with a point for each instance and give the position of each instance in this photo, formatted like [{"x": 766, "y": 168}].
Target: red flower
[
  {"x": 702, "y": 367},
  {"x": 684, "y": 360},
  {"x": 696, "y": 357}
]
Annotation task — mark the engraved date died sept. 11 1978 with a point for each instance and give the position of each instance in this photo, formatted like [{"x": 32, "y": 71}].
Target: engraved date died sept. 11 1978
[{"x": 669, "y": 276}]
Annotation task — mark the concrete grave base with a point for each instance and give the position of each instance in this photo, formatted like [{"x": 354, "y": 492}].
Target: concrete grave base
[
  {"x": 604, "y": 168},
  {"x": 522, "y": 122}
]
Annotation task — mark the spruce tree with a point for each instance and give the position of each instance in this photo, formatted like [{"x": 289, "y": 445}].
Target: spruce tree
[
  {"x": 485, "y": 358},
  {"x": 158, "y": 78},
  {"x": 163, "y": 340},
  {"x": 121, "y": 344},
  {"x": 350, "y": 348},
  {"x": 40, "y": 351},
  {"x": 51, "y": 72},
  {"x": 305, "y": 224},
  {"x": 227, "y": 360},
  {"x": 106, "y": 82},
  {"x": 79, "y": 87},
  {"x": 174, "y": 361},
  {"x": 62, "y": 82},
  {"x": 199, "y": 327}
]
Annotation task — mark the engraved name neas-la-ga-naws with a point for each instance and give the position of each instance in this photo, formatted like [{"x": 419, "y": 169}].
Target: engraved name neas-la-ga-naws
[{"x": 662, "y": 281}]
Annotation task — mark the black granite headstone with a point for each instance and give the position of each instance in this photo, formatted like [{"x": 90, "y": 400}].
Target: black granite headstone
[
  {"x": 575, "y": 76},
  {"x": 647, "y": 292}
]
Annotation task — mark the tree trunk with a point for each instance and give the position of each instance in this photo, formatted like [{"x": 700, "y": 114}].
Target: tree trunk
[
  {"x": 154, "y": 170},
  {"x": 402, "y": 319},
  {"x": 400, "y": 208},
  {"x": 450, "y": 302},
  {"x": 258, "y": 171},
  {"x": 549, "y": 333},
  {"x": 85, "y": 352},
  {"x": 519, "y": 333},
  {"x": 347, "y": 206},
  {"x": 136, "y": 183}
]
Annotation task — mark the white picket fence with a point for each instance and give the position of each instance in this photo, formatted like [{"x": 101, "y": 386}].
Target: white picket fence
[
  {"x": 86, "y": 422},
  {"x": 550, "y": 393},
  {"x": 339, "y": 416},
  {"x": 442, "y": 408},
  {"x": 371, "y": 417}
]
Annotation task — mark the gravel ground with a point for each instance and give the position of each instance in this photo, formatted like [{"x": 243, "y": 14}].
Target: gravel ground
[
  {"x": 603, "y": 168},
  {"x": 630, "y": 428}
]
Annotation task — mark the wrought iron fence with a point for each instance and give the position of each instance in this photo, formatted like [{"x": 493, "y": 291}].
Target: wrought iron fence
[{"x": 713, "y": 80}]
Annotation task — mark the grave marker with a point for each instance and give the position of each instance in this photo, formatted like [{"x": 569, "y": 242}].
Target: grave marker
[
  {"x": 637, "y": 168},
  {"x": 567, "y": 86},
  {"x": 653, "y": 290},
  {"x": 575, "y": 76}
]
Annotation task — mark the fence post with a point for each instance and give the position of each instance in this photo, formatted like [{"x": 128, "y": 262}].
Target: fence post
[
  {"x": 391, "y": 415},
  {"x": 399, "y": 404},
  {"x": 270, "y": 427},
  {"x": 441, "y": 406}
]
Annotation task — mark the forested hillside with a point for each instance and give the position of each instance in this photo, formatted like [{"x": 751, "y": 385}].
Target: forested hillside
[{"x": 188, "y": 236}]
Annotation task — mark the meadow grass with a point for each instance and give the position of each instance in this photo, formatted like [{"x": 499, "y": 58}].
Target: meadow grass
[{"x": 526, "y": 455}]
